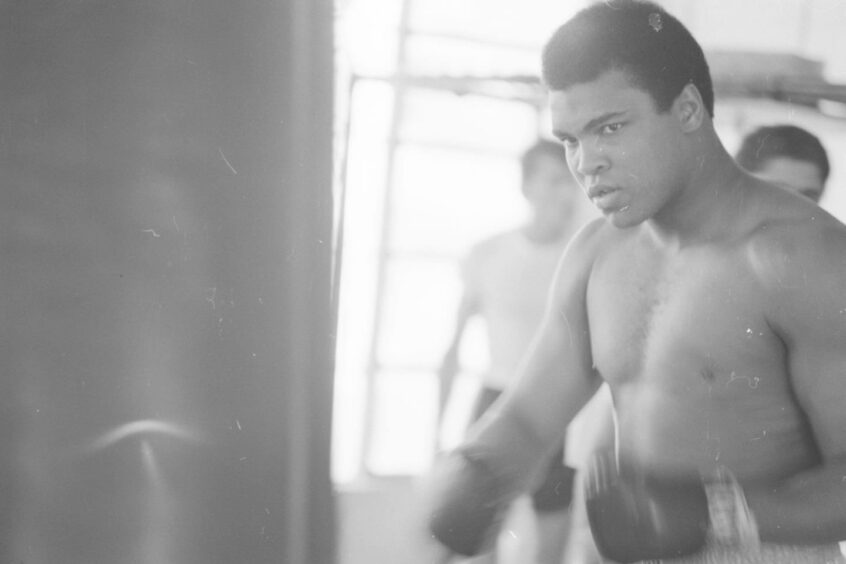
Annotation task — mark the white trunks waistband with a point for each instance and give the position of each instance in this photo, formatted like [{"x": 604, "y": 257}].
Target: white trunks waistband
[{"x": 767, "y": 554}]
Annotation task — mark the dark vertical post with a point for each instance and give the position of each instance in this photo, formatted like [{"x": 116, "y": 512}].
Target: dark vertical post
[{"x": 166, "y": 332}]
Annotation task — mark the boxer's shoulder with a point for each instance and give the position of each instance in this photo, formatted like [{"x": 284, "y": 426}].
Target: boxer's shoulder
[{"x": 802, "y": 245}]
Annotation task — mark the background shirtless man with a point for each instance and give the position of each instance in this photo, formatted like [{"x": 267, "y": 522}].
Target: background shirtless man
[
  {"x": 711, "y": 302},
  {"x": 506, "y": 281}
]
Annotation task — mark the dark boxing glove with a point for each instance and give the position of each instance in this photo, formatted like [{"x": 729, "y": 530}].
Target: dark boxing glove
[
  {"x": 469, "y": 501},
  {"x": 634, "y": 517}
]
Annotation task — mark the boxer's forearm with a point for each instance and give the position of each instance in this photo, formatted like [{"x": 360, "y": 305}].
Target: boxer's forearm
[
  {"x": 809, "y": 508},
  {"x": 512, "y": 446}
]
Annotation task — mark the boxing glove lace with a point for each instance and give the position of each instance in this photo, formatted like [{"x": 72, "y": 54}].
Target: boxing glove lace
[{"x": 731, "y": 521}]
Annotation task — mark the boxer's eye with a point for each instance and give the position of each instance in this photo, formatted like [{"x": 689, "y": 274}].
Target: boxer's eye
[{"x": 610, "y": 128}]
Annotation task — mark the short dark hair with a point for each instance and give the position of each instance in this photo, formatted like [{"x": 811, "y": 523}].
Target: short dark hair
[
  {"x": 774, "y": 141},
  {"x": 652, "y": 47},
  {"x": 541, "y": 147}
]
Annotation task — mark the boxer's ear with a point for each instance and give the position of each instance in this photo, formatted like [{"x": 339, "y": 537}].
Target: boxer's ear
[{"x": 689, "y": 108}]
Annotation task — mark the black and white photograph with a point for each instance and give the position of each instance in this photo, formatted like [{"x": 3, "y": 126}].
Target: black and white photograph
[{"x": 423, "y": 282}]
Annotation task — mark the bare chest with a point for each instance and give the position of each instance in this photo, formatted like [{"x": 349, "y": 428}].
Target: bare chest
[
  {"x": 698, "y": 375},
  {"x": 681, "y": 320}
]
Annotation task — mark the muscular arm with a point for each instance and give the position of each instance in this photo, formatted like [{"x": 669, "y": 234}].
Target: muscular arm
[
  {"x": 555, "y": 379},
  {"x": 810, "y": 508},
  {"x": 470, "y": 489}
]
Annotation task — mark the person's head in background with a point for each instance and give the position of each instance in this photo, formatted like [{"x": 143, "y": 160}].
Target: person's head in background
[
  {"x": 550, "y": 190},
  {"x": 788, "y": 156}
]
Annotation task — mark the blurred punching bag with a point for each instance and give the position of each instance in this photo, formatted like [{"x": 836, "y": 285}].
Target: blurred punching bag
[{"x": 164, "y": 281}]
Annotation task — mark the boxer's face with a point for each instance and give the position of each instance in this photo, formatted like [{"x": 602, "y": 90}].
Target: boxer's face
[{"x": 627, "y": 156}]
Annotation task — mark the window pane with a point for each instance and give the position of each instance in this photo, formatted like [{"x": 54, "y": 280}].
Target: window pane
[
  {"x": 419, "y": 303},
  {"x": 404, "y": 412},
  {"x": 528, "y": 22},
  {"x": 444, "y": 118},
  {"x": 362, "y": 224},
  {"x": 368, "y": 35},
  {"x": 444, "y": 56},
  {"x": 365, "y": 181},
  {"x": 446, "y": 200}
]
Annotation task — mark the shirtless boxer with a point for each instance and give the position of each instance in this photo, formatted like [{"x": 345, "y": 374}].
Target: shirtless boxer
[
  {"x": 783, "y": 154},
  {"x": 713, "y": 304},
  {"x": 787, "y": 155},
  {"x": 506, "y": 282}
]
